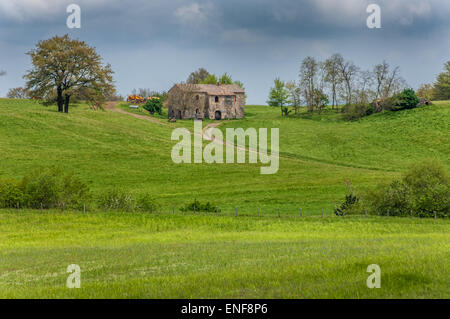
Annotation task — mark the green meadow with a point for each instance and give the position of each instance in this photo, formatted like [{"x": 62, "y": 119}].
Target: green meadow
[
  {"x": 176, "y": 255},
  {"x": 132, "y": 255},
  {"x": 109, "y": 149}
]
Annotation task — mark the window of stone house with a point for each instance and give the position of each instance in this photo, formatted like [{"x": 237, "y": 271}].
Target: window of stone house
[{"x": 216, "y": 99}]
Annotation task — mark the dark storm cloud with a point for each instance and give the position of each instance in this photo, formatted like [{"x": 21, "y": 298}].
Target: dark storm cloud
[{"x": 254, "y": 40}]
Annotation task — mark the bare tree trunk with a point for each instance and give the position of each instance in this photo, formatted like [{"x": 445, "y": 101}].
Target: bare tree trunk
[
  {"x": 66, "y": 103},
  {"x": 59, "y": 99}
]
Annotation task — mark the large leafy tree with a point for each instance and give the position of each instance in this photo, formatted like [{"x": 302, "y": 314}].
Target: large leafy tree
[
  {"x": 442, "y": 84},
  {"x": 63, "y": 66},
  {"x": 210, "y": 79},
  {"x": 278, "y": 95},
  {"x": 197, "y": 76}
]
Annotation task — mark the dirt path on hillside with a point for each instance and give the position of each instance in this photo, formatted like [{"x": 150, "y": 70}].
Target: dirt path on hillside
[
  {"x": 112, "y": 107},
  {"x": 206, "y": 131},
  {"x": 206, "y": 134}
]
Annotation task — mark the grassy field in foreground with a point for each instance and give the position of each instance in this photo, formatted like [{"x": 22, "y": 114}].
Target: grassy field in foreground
[{"x": 161, "y": 256}]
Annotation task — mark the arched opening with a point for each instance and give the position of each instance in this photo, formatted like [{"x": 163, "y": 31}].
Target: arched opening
[
  {"x": 197, "y": 97},
  {"x": 216, "y": 99},
  {"x": 218, "y": 115},
  {"x": 179, "y": 114},
  {"x": 172, "y": 114}
]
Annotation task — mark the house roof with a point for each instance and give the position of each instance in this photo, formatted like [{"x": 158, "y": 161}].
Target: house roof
[{"x": 212, "y": 89}]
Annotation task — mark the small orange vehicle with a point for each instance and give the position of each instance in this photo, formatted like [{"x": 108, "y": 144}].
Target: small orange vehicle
[{"x": 135, "y": 99}]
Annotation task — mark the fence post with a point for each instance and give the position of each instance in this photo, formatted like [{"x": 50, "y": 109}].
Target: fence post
[
  {"x": 84, "y": 208},
  {"x": 410, "y": 213},
  {"x": 388, "y": 213},
  {"x": 194, "y": 208},
  {"x": 173, "y": 209},
  {"x": 279, "y": 213},
  {"x": 365, "y": 212},
  {"x": 63, "y": 206},
  {"x": 435, "y": 215},
  {"x": 217, "y": 210},
  {"x": 18, "y": 206},
  {"x": 301, "y": 212},
  {"x": 42, "y": 207}
]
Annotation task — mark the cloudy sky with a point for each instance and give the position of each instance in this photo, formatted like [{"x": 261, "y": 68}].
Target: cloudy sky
[{"x": 155, "y": 43}]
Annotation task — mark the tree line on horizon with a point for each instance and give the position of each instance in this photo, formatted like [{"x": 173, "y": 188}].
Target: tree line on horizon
[
  {"x": 65, "y": 70},
  {"x": 338, "y": 81},
  {"x": 202, "y": 76}
]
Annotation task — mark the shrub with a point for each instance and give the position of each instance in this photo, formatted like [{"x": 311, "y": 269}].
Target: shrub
[
  {"x": 345, "y": 207},
  {"x": 393, "y": 199},
  {"x": 353, "y": 112},
  {"x": 74, "y": 193},
  {"x": 11, "y": 193},
  {"x": 424, "y": 190},
  {"x": 405, "y": 100},
  {"x": 199, "y": 207},
  {"x": 120, "y": 200},
  {"x": 146, "y": 203},
  {"x": 429, "y": 185},
  {"x": 116, "y": 199},
  {"x": 53, "y": 187},
  {"x": 154, "y": 105}
]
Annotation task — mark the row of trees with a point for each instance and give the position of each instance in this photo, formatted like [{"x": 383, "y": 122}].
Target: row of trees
[
  {"x": 335, "y": 80},
  {"x": 440, "y": 89}
]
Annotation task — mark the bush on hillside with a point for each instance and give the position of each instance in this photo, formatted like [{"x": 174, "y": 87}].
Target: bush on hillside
[
  {"x": 393, "y": 199},
  {"x": 53, "y": 187},
  {"x": 354, "y": 112},
  {"x": 405, "y": 100},
  {"x": 430, "y": 188},
  {"x": 117, "y": 199},
  {"x": 146, "y": 203},
  {"x": 423, "y": 190},
  {"x": 154, "y": 105},
  {"x": 11, "y": 193},
  {"x": 347, "y": 207},
  {"x": 120, "y": 200},
  {"x": 45, "y": 188}
]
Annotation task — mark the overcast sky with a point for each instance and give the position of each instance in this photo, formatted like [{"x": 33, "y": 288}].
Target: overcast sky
[{"x": 156, "y": 43}]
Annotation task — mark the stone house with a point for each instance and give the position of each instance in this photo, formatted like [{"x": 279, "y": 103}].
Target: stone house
[{"x": 199, "y": 101}]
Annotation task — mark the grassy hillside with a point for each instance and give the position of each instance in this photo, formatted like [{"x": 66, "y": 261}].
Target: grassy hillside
[
  {"x": 174, "y": 256},
  {"x": 110, "y": 149}
]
